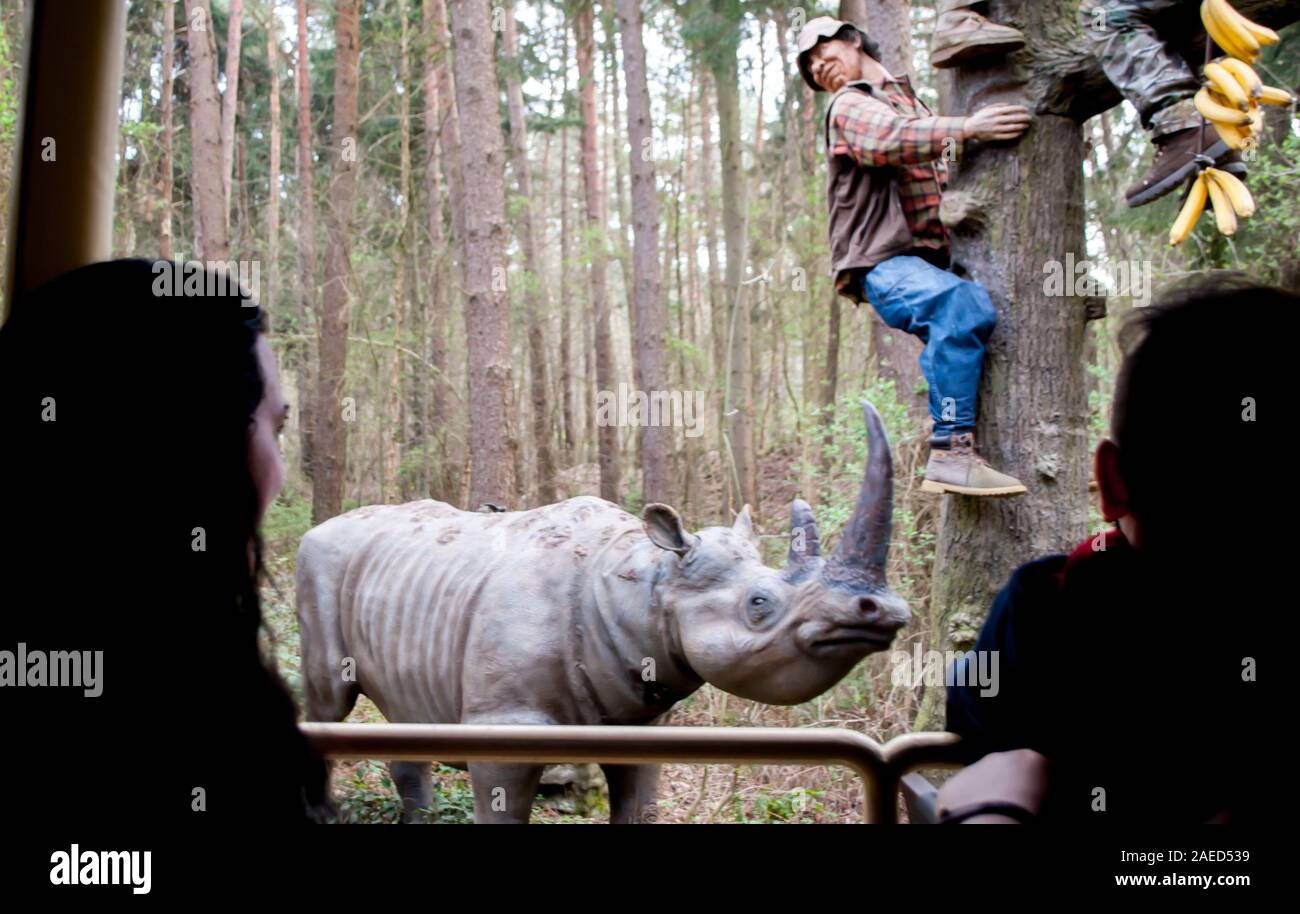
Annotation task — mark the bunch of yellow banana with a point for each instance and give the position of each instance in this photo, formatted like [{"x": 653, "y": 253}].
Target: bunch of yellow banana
[
  {"x": 1230, "y": 101},
  {"x": 1237, "y": 35},
  {"x": 1225, "y": 193}
]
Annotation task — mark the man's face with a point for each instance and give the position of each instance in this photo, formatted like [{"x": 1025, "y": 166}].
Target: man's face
[{"x": 834, "y": 63}]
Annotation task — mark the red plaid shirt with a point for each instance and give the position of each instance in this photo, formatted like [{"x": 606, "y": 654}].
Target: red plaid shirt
[{"x": 892, "y": 127}]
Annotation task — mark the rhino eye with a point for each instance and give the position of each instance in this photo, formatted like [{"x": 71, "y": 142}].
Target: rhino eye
[{"x": 758, "y": 608}]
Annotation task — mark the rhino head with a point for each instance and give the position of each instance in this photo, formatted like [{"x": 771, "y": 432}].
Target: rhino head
[{"x": 784, "y": 636}]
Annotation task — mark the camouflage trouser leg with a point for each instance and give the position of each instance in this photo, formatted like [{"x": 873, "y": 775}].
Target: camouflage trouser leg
[{"x": 1152, "y": 76}]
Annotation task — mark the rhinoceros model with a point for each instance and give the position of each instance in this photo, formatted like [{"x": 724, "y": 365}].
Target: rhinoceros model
[{"x": 580, "y": 613}]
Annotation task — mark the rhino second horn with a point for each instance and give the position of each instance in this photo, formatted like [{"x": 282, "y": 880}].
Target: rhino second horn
[
  {"x": 805, "y": 543},
  {"x": 864, "y": 546}
]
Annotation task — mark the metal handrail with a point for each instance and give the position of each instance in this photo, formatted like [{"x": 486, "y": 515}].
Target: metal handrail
[{"x": 880, "y": 767}]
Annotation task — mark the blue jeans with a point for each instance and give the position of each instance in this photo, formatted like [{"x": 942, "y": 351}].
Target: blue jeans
[{"x": 952, "y": 316}]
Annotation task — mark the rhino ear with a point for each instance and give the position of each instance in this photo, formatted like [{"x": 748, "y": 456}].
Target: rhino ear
[
  {"x": 664, "y": 527},
  {"x": 744, "y": 524}
]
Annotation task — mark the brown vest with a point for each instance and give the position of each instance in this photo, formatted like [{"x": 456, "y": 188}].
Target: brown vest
[{"x": 867, "y": 224}]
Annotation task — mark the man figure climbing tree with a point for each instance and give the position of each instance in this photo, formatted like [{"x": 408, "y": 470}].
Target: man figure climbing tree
[
  {"x": 1157, "y": 81},
  {"x": 886, "y": 151}
]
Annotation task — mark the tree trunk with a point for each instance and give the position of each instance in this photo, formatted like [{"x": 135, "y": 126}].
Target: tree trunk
[
  {"x": 273, "y": 177},
  {"x": 212, "y": 243},
  {"x": 830, "y": 380},
  {"x": 165, "y": 167},
  {"x": 393, "y": 442},
  {"x": 230, "y": 98},
  {"x": 566, "y": 312},
  {"x": 651, "y": 319},
  {"x": 897, "y": 354},
  {"x": 442, "y": 136},
  {"x": 890, "y": 23},
  {"x": 607, "y": 433},
  {"x": 614, "y": 152},
  {"x": 487, "y": 305},
  {"x": 306, "y": 244},
  {"x": 717, "y": 311},
  {"x": 1033, "y": 409},
  {"x": 244, "y": 207},
  {"x": 738, "y": 457},
  {"x": 330, "y": 442},
  {"x": 1032, "y": 403},
  {"x": 535, "y": 289}
]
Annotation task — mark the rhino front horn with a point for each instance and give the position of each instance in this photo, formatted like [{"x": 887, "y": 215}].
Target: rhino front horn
[{"x": 864, "y": 546}]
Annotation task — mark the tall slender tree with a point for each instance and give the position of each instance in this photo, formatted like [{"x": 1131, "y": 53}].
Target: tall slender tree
[
  {"x": 396, "y": 434},
  {"x": 165, "y": 164},
  {"x": 740, "y": 469},
  {"x": 566, "y": 312},
  {"x": 230, "y": 98},
  {"x": 270, "y": 27},
  {"x": 307, "y": 264},
  {"x": 534, "y": 283},
  {"x": 211, "y": 242},
  {"x": 330, "y": 443},
  {"x": 442, "y": 140},
  {"x": 651, "y": 321},
  {"x": 606, "y": 433},
  {"x": 897, "y": 353},
  {"x": 487, "y": 302}
]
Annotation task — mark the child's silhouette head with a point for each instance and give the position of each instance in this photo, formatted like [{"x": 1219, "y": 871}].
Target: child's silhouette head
[{"x": 1187, "y": 460}]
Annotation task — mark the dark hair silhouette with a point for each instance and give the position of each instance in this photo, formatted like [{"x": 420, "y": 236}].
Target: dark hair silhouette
[
  {"x": 130, "y": 527},
  {"x": 1200, "y": 364}
]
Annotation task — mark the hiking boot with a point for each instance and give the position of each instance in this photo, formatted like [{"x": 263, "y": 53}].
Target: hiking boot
[
  {"x": 963, "y": 35},
  {"x": 955, "y": 467},
  {"x": 1175, "y": 162}
]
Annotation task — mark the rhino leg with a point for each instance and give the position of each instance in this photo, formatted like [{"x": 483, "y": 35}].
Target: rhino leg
[
  {"x": 632, "y": 792},
  {"x": 503, "y": 794},
  {"x": 414, "y": 784}
]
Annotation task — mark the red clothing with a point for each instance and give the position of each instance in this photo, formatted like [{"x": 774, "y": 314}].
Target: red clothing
[{"x": 892, "y": 127}]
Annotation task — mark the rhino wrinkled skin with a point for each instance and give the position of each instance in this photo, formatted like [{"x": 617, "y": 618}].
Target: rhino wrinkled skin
[{"x": 580, "y": 613}]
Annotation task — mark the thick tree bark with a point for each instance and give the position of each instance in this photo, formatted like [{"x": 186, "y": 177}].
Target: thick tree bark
[
  {"x": 230, "y": 98},
  {"x": 650, "y": 344},
  {"x": 535, "y": 289},
  {"x": 165, "y": 166},
  {"x": 889, "y": 23},
  {"x": 330, "y": 441},
  {"x": 212, "y": 243},
  {"x": 1033, "y": 409},
  {"x": 487, "y": 304},
  {"x": 306, "y": 243},
  {"x": 606, "y": 434}
]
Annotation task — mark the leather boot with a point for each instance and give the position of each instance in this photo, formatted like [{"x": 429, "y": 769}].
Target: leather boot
[
  {"x": 955, "y": 467},
  {"x": 963, "y": 35},
  {"x": 1175, "y": 162}
]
